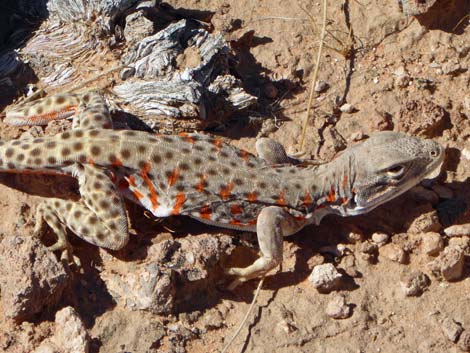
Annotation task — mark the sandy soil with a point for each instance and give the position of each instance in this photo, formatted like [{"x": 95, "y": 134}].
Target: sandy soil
[{"x": 398, "y": 73}]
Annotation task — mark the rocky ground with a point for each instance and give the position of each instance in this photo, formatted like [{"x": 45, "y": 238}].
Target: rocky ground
[{"x": 394, "y": 280}]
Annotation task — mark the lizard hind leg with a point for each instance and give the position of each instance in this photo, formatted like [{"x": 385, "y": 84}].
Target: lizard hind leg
[{"x": 99, "y": 217}]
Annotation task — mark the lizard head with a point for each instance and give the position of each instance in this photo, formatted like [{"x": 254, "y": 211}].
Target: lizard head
[{"x": 388, "y": 164}]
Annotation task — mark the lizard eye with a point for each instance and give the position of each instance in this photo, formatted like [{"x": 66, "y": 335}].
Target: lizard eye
[{"x": 396, "y": 171}]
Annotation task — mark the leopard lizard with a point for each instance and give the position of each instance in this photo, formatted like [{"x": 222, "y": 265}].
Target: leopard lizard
[{"x": 202, "y": 177}]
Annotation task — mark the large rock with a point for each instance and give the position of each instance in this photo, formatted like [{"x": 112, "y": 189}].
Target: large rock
[{"x": 31, "y": 278}]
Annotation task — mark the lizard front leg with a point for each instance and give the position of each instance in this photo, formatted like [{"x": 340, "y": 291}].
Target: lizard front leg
[
  {"x": 273, "y": 152},
  {"x": 272, "y": 225}
]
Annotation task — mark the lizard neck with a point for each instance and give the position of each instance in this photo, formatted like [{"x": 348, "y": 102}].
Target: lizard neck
[{"x": 331, "y": 184}]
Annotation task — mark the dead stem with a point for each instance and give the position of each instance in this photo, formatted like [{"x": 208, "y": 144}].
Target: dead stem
[{"x": 315, "y": 73}]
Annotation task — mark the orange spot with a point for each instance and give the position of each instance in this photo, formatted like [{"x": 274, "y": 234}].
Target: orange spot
[
  {"x": 280, "y": 199},
  {"x": 235, "y": 222},
  {"x": 137, "y": 194},
  {"x": 113, "y": 177},
  {"x": 202, "y": 184},
  {"x": 345, "y": 182},
  {"x": 252, "y": 222},
  {"x": 218, "y": 143},
  {"x": 331, "y": 197},
  {"x": 236, "y": 209},
  {"x": 174, "y": 176},
  {"x": 91, "y": 161},
  {"x": 320, "y": 207},
  {"x": 226, "y": 191},
  {"x": 205, "y": 212},
  {"x": 307, "y": 201},
  {"x": 252, "y": 196},
  {"x": 131, "y": 180},
  {"x": 186, "y": 137},
  {"x": 180, "y": 200},
  {"x": 244, "y": 155},
  {"x": 56, "y": 114},
  {"x": 300, "y": 218},
  {"x": 150, "y": 186},
  {"x": 117, "y": 163},
  {"x": 344, "y": 200}
]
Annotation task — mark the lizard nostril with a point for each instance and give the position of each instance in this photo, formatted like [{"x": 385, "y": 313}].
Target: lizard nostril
[{"x": 434, "y": 153}]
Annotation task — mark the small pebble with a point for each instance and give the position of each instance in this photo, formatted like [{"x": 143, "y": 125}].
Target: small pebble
[
  {"x": 414, "y": 283},
  {"x": 325, "y": 277},
  {"x": 451, "y": 263},
  {"x": 347, "y": 108},
  {"x": 451, "y": 329},
  {"x": 321, "y": 86},
  {"x": 457, "y": 230},
  {"x": 426, "y": 222},
  {"x": 354, "y": 237},
  {"x": 432, "y": 243},
  {"x": 451, "y": 68},
  {"x": 380, "y": 238},
  {"x": 337, "y": 308},
  {"x": 393, "y": 252},
  {"x": 466, "y": 154}
]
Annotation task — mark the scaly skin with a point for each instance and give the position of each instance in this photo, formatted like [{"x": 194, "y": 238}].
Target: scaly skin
[{"x": 205, "y": 178}]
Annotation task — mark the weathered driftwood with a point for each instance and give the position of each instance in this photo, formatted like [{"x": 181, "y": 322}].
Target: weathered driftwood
[
  {"x": 155, "y": 84},
  {"x": 178, "y": 72}
]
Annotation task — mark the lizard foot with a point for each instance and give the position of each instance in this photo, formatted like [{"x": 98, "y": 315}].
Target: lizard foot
[{"x": 244, "y": 274}]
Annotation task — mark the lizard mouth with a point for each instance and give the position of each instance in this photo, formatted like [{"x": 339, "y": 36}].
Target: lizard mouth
[{"x": 362, "y": 202}]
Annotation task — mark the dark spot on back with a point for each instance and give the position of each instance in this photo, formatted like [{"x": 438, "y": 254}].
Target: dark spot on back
[
  {"x": 95, "y": 150},
  {"x": 125, "y": 154},
  {"x": 51, "y": 144},
  {"x": 78, "y": 146},
  {"x": 238, "y": 181},
  {"x": 65, "y": 152},
  {"x": 184, "y": 166},
  {"x": 35, "y": 152},
  {"x": 78, "y": 133},
  {"x": 9, "y": 152},
  {"x": 156, "y": 158},
  {"x": 169, "y": 155},
  {"x": 65, "y": 135}
]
